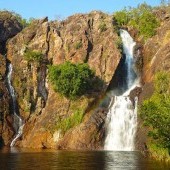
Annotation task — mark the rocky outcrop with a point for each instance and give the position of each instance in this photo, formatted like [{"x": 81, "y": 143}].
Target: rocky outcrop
[
  {"x": 9, "y": 27},
  {"x": 5, "y": 131},
  {"x": 89, "y": 38},
  {"x": 156, "y": 57},
  {"x": 157, "y": 50},
  {"x": 89, "y": 135}
]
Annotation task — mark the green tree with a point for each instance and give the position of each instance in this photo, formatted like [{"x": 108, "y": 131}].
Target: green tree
[
  {"x": 141, "y": 18},
  {"x": 156, "y": 111},
  {"x": 122, "y": 17},
  {"x": 147, "y": 24},
  {"x": 71, "y": 80}
]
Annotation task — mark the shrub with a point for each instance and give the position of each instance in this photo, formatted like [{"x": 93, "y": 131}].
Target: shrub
[
  {"x": 156, "y": 111},
  {"x": 70, "y": 122},
  {"x": 159, "y": 153},
  {"x": 102, "y": 27},
  {"x": 147, "y": 25},
  {"x": 32, "y": 56},
  {"x": 71, "y": 80}
]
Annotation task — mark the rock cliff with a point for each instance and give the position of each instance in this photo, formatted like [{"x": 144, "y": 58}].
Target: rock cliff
[
  {"x": 9, "y": 27},
  {"x": 156, "y": 57},
  {"x": 82, "y": 38},
  {"x": 157, "y": 49},
  {"x": 89, "y": 38}
]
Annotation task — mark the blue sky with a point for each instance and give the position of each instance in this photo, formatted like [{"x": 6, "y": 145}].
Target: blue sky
[{"x": 65, "y": 8}]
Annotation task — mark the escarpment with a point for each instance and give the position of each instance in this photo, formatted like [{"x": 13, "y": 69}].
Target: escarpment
[
  {"x": 9, "y": 27},
  {"x": 156, "y": 53},
  {"x": 156, "y": 58},
  {"x": 156, "y": 50},
  {"x": 82, "y": 38},
  {"x": 52, "y": 120}
]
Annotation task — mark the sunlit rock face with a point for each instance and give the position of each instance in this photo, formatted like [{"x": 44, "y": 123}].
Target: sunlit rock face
[
  {"x": 156, "y": 57},
  {"x": 156, "y": 51},
  {"x": 9, "y": 27},
  {"x": 80, "y": 38}
]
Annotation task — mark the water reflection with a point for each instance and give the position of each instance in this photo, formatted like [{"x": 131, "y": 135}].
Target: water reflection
[{"x": 16, "y": 159}]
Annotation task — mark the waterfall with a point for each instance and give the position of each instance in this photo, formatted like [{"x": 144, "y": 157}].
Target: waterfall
[
  {"x": 18, "y": 122},
  {"x": 128, "y": 45},
  {"x": 121, "y": 119}
]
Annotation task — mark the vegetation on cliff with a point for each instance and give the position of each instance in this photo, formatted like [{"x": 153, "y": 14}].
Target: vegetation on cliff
[
  {"x": 141, "y": 18},
  {"x": 71, "y": 121},
  {"x": 155, "y": 113},
  {"x": 83, "y": 41},
  {"x": 32, "y": 56},
  {"x": 13, "y": 15},
  {"x": 102, "y": 27},
  {"x": 71, "y": 80}
]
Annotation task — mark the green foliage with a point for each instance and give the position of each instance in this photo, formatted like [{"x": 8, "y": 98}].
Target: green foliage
[
  {"x": 141, "y": 18},
  {"x": 147, "y": 24},
  {"x": 159, "y": 153},
  {"x": 33, "y": 56},
  {"x": 12, "y": 15},
  {"x": 122, "y": 17},
  {"x": 78, "y": 45},
  {"x": 71, "y": 80},
  {"x": 65, "y": 124},
  {"x": 156, "y": 111},
  {"x": 102, "y": 27},
  {"x": 24, "y": 22},
  {"x": 21, "y": 20}
]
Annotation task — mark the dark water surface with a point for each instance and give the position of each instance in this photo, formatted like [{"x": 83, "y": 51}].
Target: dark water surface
[{"x": 17, "y": 159}]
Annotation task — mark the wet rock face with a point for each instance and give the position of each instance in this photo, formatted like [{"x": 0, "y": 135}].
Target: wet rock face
[
  {"x": 28, "y": 78},
  {"x": 9, "y": 27},
  {"x": 5, "y": 130},
  {"x": 2, "y": 67},
  {"x": 81, "y": 38},
  {"x": 135, "y": 93},
  {"x": 138, "y": 64}
]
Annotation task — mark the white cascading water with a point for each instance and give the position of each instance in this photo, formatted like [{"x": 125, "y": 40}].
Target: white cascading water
[
  {"x": 122, "y": 115},
  {"x": 18, "y": 122}
]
